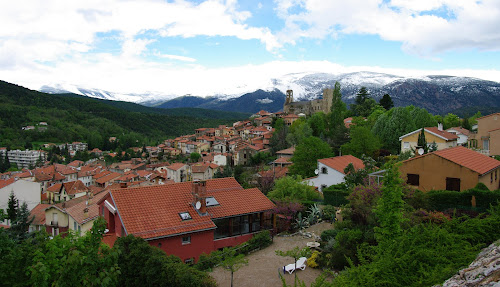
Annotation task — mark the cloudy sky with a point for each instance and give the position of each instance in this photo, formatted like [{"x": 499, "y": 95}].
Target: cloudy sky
[{"x": 180, "y": 46}]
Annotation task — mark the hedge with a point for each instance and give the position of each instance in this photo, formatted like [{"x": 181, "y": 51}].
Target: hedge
[
  {"x": 441, "y": 200},
  {"x": 336, "y": 195}
]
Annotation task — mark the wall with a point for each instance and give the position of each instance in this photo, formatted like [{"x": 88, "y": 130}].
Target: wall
[
  {"x": 231, "y": 241},
  {"x": 487, "y": 179},
  {"x": 433, "y": 171},
  {"x": 24, "y": 190},
  {"x": 201, "y": 242},
  {"x": 430, "y": 138},
  {"x": 494, "y": 142},
  {"x": 331, "y": 178}
]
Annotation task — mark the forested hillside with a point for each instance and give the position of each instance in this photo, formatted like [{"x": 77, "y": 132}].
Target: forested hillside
[{"x": 93, "y": 121}]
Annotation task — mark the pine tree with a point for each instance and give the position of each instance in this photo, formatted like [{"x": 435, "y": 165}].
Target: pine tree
[
  {"x": 386, "y": 102},
  {"x": 6, "y": 161},
  {"x": 12, "y": 207},
  {"x": 20, "y": 226},
  {"x": 422, "y": 142}
]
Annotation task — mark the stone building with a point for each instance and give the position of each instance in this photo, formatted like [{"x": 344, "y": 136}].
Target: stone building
[{"x": 309, "y": 107}]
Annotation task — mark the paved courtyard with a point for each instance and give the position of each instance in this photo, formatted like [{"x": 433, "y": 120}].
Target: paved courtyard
[{"x": 264, "y": 265}]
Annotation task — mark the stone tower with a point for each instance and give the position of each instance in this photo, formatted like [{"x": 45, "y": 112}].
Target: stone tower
[
  {"x": 289, "y": 99},
  {"x": 327, "y": 100}
]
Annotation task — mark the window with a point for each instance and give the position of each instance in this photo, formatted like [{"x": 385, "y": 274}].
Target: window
[
  {"x": 491, "y": 177},
  {"x": 235, "y": 226},
  {"x": 74, "y": 225},
  {"x": 159, "y": 245},
  {"x": 324, "y": 170},
  {"x": 255, "y": 222},
  {"x": 189, "y": 261},
  {"x": 453, "y": 183},
  {"x": 496, "y": 175},
  {"x": 323, "y": 186},
  {"x": 413, "y": 179},
  {"x": 185, "y": 215},
  {"x": 245, "y": 224},
  {"x": 186, "y": 240},
  {"x": 406, "y": 145},
  {"x": 222, "y": 230}
]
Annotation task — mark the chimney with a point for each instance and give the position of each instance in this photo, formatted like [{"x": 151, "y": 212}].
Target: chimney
[
  {"x": 64, "y": 205},
  {"x": 86, "y": 212},
  {"x": 199, "y": 195},
  {"x": 123, "y": 185},
  {"x": 440, "y": 126}
]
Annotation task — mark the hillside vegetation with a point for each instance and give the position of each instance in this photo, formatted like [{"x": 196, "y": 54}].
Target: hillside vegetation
[{"x": 77, "y": 118}]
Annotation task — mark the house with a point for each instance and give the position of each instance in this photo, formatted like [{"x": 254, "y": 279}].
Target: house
[
  {"x": 286, "y": 153},
  {"x": 243, "y": 153},
  {"x": 38, "y": 215},
  {"x": 486, "y": 139},
  {"x": 24, "y": 190},
  {"x": 105, "y": 178},
  {"x": 433, "y": 135},
  {"x": 289, "y": 119},
  {"x": 178, "y": 172},
  {"x": 456, "y": 168},
  {"x": 190, "y": 218},
  {"x": 463, "y": 135},
  {"x": 77, "y": 214},
  {"x": 331, "y": 170},
  {"x": 66, "y": 191},
  {"x": 203, "y": 171}
]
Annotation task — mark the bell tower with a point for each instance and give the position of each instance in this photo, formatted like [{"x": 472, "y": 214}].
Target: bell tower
[{"x": 289, "y": 97}]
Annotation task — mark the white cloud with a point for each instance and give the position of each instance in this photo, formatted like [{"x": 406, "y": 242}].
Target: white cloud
[
  {"x": 425, "y": 27},
  {"x": 175, "y": 57}
]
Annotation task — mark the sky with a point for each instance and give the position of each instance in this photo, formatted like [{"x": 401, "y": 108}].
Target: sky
[{"x": 181, "y": 46}]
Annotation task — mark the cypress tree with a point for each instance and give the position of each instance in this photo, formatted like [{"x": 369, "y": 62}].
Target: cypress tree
[{"x": 12, "y": 206}]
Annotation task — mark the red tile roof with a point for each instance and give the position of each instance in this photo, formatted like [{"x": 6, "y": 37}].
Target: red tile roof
[
  {"x": 4, "y": 183},
  {"x": 339, "y": 163},
  {"x": 39, "y": 214},
  {"x": 74, "y": 187},
  {"x": 460, "y": 130},
  {"x": 108, "y": 177},
  {"x": 77, "y": 210},
  {"x": 290, "y": 150},
  {"x": 282, "y": 160},
  {"x": 445, "y": 134},
  {"x": 153, "y": 211},
  {"x": 470, "y": 159},
  {"x": 55, "y": 188},
  {"x": 109, "y": 239},
  {"x": 176, "y": 166}
]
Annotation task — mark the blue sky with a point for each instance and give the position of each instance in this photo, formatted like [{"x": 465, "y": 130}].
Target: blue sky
[{"x": 163, "y": 46}]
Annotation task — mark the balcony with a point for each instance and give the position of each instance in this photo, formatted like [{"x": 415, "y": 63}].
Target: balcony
[{"x": 54, "y": 223}]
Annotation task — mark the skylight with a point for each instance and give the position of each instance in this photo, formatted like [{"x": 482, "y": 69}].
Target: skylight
[
  {"x": 211, "y": 201},
  {"x": 185, "y": 215}
]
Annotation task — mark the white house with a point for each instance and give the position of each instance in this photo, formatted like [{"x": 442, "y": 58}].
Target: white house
[
  {"x": 463, "y": 134},
  {"x": 220, "y": 159},
  {"x": 24, "y": 190},
  {"x": 331, "y": 170}
]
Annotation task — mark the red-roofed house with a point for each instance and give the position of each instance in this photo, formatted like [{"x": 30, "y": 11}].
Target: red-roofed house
[
  {"x": 331, "y": 170},
  {"x": 66, "y": 191},
  {"x": 456, "y": 168},
  {"x": 188, "y": 219},
  {"x": 437, "y": 135},
  {"x": 203, "y": 171},
  {"x": 487, "y": 137},
  {"x": 178, "y": 172},
  {"x": 38, "y": 215}
]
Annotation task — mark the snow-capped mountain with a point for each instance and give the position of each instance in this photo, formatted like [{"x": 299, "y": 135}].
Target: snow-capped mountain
[{"x": 438, "y": 94}]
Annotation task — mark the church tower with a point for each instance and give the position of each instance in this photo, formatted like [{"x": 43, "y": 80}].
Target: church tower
[
  {"x": 289, "y": 97},
  {"x": 327, "y": 100}
]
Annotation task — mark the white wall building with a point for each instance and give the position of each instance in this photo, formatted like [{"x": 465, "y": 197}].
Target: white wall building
[
  {"x": 24, "y": 190},
  {"x": 331, "y": 171},
  {"x": 26, "y": 158}
]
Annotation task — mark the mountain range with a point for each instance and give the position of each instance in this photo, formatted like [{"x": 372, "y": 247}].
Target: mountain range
[{"x": 439, "y": 94}]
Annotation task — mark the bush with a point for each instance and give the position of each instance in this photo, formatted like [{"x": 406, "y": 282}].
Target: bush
[
  {"x": 329, "y": 212},
  {"x": 311, "y": 261},
  {"x": 481, "y": 186},
  {"x": 336, "y": 195},
  {"x": 441, "y": 200},
  {"x": 329, "y": 233}
]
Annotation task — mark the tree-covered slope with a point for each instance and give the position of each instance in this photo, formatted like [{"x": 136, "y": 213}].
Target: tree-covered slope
[{"x": 84, "y": 119}]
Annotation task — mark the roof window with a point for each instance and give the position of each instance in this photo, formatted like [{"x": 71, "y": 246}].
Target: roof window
[{"x": 185, "y": 215}]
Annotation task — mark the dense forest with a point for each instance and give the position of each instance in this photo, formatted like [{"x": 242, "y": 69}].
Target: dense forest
[{"x": 77, "y": 118}]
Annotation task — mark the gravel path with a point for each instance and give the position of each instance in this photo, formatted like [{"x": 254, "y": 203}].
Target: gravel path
[{"x": 263, "y": 265}]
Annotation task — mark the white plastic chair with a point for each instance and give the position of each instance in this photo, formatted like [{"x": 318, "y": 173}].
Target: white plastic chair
[{"x": 300, "y": 264}]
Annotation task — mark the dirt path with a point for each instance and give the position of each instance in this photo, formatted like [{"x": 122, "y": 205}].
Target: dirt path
[{"x": 264, "y": 265}]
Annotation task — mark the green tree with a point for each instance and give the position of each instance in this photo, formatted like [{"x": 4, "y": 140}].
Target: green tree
[
  {"x": 363, "y": 103},
  {"x": 389, "y": 209},
  {"x": 306, "y": 155},
  {"x": 386, "y": 102},
  {"x": 299, "y": 130},
  {"x": 12, "y": 207},
  {"x": 317, "y": 122},
  {"x": 466, "y": 124},
  {"x": 451, "y": 120},
  {"x": 226, "y": 171},
  {"x": 233, "y": 262},
  {"x": 422, "y": 142},
  {"x": 20, "y": 226},
  {"x": 194, "y": 157},
  {"x": 278, "y": 140},
  {"x": 422, "y": 118},
  {"x": 363, "y": 142},
  {"x": 391, "y": 125},
  {"x": 337, "y": 133},
  {"x": 292, "y": 188}
]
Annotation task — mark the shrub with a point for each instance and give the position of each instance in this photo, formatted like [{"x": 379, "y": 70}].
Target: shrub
[
  {"x": 329, "y": 233},
  {"x": 336, "y": 195},
  {"x": 329, "y": 212},
  {"x": 311, "y": 261},
  {"x": 481, "y": 186}
]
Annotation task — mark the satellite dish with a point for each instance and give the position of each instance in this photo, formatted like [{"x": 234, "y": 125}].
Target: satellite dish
[
  {"x": 420, "y": 151},
  {"x": 316, "y": 171},
  {"x": 198, "y": 205}
]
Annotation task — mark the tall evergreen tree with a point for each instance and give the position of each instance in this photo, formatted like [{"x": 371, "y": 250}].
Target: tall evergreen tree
[
  {"x": 422, "y": 142},
  {"x": 466, "y": 124},
  {"x": 20, "y": 225},
  {"x": 386, "y": 102},
  {"x": 6, "y": 161},
  {"x": 363, "y": 104},
  {"x": 12, "y": 207}
]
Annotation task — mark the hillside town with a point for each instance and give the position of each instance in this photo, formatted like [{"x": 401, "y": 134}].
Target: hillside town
[{"x": 199, "y": 193}]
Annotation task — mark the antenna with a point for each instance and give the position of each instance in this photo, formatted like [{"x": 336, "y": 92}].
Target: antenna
[
  {"x": 316, "y": 171},
  {"x": 420, "y": 151},
  {"x": 198, "y": 205}
]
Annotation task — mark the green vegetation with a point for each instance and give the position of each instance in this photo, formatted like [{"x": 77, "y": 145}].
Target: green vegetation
[
  {"x": 292, "y": 188},
  {"x": 89, "y": 120}
]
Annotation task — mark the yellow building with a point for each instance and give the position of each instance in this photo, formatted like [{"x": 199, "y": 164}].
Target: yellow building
[{"x": 433, "y": 135}]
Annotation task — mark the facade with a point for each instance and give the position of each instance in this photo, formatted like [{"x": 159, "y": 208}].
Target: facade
[
  {"x": 310, "y": 107},
  {"x": 433, "y": 135},
  {"x": 462, "y": 134},
  {"x": 24, "y": 190},
  {"x": 26, "y": 158},
  {"x": 331, "y": 171},
  {"x": 486, "y": 139},
  {"x": 456, "y": 168},
  {"x": 190, "y": 218},
  {"x": 178, "y": 172}
]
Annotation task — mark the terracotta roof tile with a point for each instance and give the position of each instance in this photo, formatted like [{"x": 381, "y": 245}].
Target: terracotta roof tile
[
  {"x": 4, "y": 183},
  {"x": 290, "y": 150},
  {"x": 55, "y": 188},
  {"x": 339, "y": 163},
  {"x": 39, "y": 214},
  {"x": 153, "y": 211},
  {"x": 445, "y": 134},
  {"x": 74, "y": 187},
  {"x": 470, "y": 159},
  {"x": 108, "y": 177},
  {"x": 176, "y": 166},
  {"x": 77, "y": 210},
  {"x": 460, "y": 130}
]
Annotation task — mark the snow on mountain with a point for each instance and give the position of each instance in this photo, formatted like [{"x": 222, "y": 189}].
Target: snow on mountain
[{"x": 309, "y": 85}]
